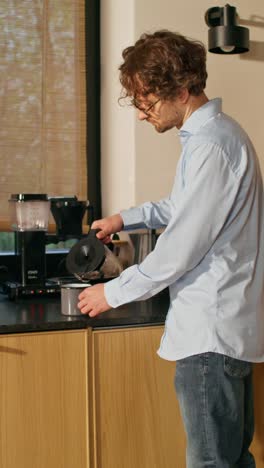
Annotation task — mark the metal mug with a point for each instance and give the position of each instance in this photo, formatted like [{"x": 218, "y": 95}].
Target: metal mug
[{"x": 69, "y": 297}]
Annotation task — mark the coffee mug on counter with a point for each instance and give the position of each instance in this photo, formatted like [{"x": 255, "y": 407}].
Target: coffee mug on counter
[{"x": 70, "y": 299}]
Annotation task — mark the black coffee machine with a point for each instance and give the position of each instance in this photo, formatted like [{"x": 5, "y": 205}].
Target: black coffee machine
[{"x": 29, "y": 221}]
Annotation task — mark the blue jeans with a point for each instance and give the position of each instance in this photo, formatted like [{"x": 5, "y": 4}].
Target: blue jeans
[{"x": 215, "y": 394}]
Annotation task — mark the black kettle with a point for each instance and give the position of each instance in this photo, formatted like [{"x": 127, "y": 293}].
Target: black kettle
[{"x": 90, "y": 259}]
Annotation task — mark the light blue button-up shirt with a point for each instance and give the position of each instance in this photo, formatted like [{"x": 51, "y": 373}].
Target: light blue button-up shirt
[{"x": 211, "y": 253}]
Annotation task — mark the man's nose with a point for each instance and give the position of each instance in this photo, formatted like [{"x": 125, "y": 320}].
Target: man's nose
[{"x": 142, "y": 115}]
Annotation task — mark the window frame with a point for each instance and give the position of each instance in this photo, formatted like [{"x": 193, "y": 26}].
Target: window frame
[
  {"x": 93, "y": 131},
  {"x": 93, "y": 115}
]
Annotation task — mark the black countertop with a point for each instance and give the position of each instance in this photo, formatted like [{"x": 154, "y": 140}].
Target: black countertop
[{"x": 44, "y": 314}]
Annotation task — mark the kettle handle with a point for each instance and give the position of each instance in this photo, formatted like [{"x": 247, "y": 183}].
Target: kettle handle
[{"x": 93, "y": 232}]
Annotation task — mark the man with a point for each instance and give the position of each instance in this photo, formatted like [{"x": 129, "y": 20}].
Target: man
[{"x": 211, "y": 253}]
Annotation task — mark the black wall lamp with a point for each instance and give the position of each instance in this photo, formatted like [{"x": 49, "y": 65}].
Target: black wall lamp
[{"x": 224, "y": 35}]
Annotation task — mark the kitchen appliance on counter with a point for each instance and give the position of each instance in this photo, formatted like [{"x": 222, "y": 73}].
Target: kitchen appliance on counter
[
  {"x": 90, "y": 259},
  {"x": 68, "y": 213},
  {"x": 29, "y": 221}
]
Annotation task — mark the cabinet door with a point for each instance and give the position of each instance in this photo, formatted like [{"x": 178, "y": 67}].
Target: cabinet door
[
  {"x": 43, "y": 400},
  {"x": 137, "y": 419},
  {"x": 258, "y": 442}
]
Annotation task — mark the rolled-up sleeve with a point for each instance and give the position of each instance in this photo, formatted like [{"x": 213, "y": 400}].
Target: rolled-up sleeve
[
  {"x": 148, "y": 215},
  {"x": 198, "y": 216}
]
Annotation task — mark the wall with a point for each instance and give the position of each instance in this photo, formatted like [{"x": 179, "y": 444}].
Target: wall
[
  {"x": 137, "y": 163},
  {"x": 118, "y": 123}
]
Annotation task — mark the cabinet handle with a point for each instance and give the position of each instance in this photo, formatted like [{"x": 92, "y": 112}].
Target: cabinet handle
[{"x": 7, "y": 349}]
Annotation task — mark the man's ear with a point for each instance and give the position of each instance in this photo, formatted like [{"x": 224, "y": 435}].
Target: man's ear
[{"x": 184, "y": 95}]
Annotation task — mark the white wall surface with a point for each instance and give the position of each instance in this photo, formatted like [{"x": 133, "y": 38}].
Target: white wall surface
[
  {"x": 117, "y": 125},
  {"x": 138, "y": 164}
]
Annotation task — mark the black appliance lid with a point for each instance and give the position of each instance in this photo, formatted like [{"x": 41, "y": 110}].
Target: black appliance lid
[
  {"x": 63, "y": 198},
  {"x": 87, "y": 255},
  {"x": 60, "y": 202},
  {"x": 29, "y": 197}
]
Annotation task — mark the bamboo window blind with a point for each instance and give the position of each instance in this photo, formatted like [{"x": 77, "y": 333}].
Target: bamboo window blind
[{"x": 42, "y": 99}]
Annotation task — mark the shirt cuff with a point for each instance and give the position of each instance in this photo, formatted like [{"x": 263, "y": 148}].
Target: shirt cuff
[
  {"x": 130, "y": 286},
  {"x": 112, "y": 293},
  {"x": 132, "y": 218}
]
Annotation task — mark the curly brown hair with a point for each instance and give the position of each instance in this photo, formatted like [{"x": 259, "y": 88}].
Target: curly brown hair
[{"x": 162, "y": 63}]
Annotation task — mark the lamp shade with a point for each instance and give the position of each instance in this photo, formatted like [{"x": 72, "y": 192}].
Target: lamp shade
[
  {"x": 228, "y": 40},
  {"x": 224, "y": 35}
]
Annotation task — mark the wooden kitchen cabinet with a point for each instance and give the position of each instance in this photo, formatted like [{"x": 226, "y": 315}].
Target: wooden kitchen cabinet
[
  {"x": 137, "y": 422},
  {"x": 258, "y": 442},
  {"x": 101, "y": 399},
  {"x": 44, "y": 400},
  {"x": 68, "y": 400}
]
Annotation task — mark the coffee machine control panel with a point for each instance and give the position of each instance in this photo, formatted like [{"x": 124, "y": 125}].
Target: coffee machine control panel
[{"x": 15, "y": 290}]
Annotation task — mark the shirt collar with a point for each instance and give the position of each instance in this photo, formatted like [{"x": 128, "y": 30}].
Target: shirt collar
[{"x": 199, "y": 117}]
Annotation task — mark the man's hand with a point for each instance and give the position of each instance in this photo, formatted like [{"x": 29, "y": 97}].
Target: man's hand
[
  {"x": 92, "y": 301},
  {"x": 108, "y": 226}
]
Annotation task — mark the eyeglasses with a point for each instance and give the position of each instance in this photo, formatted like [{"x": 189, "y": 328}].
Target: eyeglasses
[{"x": 148, "y": 109}]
